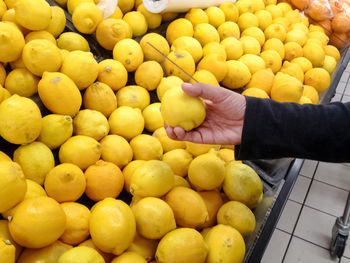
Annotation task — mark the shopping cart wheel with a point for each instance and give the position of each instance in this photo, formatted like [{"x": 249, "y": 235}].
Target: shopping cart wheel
[{"x": 338, "y": 245}]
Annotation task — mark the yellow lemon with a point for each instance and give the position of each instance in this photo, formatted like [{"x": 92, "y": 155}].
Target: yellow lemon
[
  {"x": 36, "y": 160},
  {"x": 320, "y": 36},
  {"x": 115, "y": 217},
  {"x": 5, "y": 235},
  {"x": 7, "y": 251},
  {"x": 182, "y": 58},
  {"x": 286, "y": 88},
  {"x": 258, "y": 5},
  {"x": 153, "y": 117},
  {"x": 215, "y": 15},
  {"x": 276, "y": 45},
  {"x": 81, "y": 67},
  {"x": 168, "y": 83},
  {"x": 242, "y": 184},
  {"x": 127, "y": 122},
  {"x": 12, "y": 42},
  {"x": 128, "y": 257},
  {"x": 137, "y": 22},
  {"x": 20, "y": 120},
  {"x": 112, "y": 73},
  {"x": 303, "y": 63},
  {"x": 72, "y": 41},
  {"x": 274, "y": 10},
  {"x": 213, "y": 201},
  {"x": 40, "y": 35},
  {"x": 110, "y": 31},
  {"x": 4, "y": 157},
  {"x": 118, "y": 14},
  {"x": 253, "y": 62},
  {"x": 238, "y": 75},
  {"x": 37, "y": 222},
  {"x": 89, "y": 243},
  {"x": 197, "y": 149},
  {"x": 57, "y": 84},
  {"x": 256, "y": 92},
  {"x": 19, "y": 63},
  {"x": 86, "y": 17},
  {"x": 65, "y": 183},
  {"x": 153, "y": 19},
  {"x": 133, "y": 96},
  {"x": 207, "y": 171},
  {"x": 188, "y": 206},
  {"x": 297, "y": 36},
  {"x": 178, "y": 28},
  {"x": 3, "y": 8},
  {"x": 332, "y": 51},
  {"x": 34, "y": 15},
  {"x": 318, "y": 78},
  {"x": 300, "y": 26},
  {"x": 50, "y": 253},
  {"x": 285, "y": 7},
  {"x": 57, "y": 22},
  {"x": 72, "y": 4},
  {"x": 144, "y": 247},
  {"x": 2, "y": 74},
  {"x": 237, "y": 215},
  {"x": 329, "y": 64},
  {"x": 250, "y": 45},
  {"x": 77, "y": 224},
  {"x": 180, "y": 246},
  {"x": 255, "y": 32},
  {"x": 215, "y": 48},
  {"x": 293, "y": 70},
  {"x": 216, "y": 64},
  {"x": 245, "y": 6},
  {"x": 56, "y": 129},
  {"x": 129, "y": 170},
  {"x": 179, "y": 161},
  {"x": 197, "y": 16},
  {"x": 315, "y": 54},
  {"x": 275, "y": 31},
  {"x": 91, "y": 123},
  {"x": 189, "y": 44},
  {"x": 80, "y": 150},
  {"x": 158, "y": 42},
  {"x": 126, "y": 5},
  {"x": 154, "y": 217},
  {"x": 283, "y": 22},
  {"x": 129, "y": 53},
  {"x": 293, "y": 50},
  {"x": 117, "y": 150},
  {"x": 80, "y": 255},
  {"x": 304, "y": 100},
  {"x": 100, "y": 97},
  {"x": 10, "y": 16},
  {"x": 148, "y": 75},
  {"x": 205, "y": 76},
  {"x": 247, "y": 20},
  {"x": 314, "y": 41},
  {"x": 264, "y": 18},
  {"x": 227, "y": 154},
  {"x": 13, "y": 185},
  {"x": 206, "y": 33},
  {"x": 262, "y": 79},
  {"x": 230, "y": 10},
  {"x": 152, "y": 179},
  {"x": 233, "y": 48},
  {"x": 311, "y": 93},
  {"x": 146, "y": 147},
  {"x": 22, "y": 82},
  {"x": 225, "y": 244},
  {"x": 181, "y": 181},
  {"x": 175, "y": 116},
  {"x": 167, "y": 143},
  {"x": 228, "y": 29},
  {"x": 35, "y": 54}
]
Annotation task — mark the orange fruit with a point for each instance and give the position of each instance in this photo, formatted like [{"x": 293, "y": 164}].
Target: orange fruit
[
  {"x": 103, "y": 179},
  {"x": 341, "y": 23},
  {"x": 300, "y": 4},
  {"x": 65, "y": 183},
  {"x": 319, "y": 10},
  {"x": 326, "y": 25},
  {"x": 339, "y": 40}
]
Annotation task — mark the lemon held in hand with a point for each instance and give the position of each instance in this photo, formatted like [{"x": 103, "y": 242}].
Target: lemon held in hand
[{"x": 179, "y": 109}]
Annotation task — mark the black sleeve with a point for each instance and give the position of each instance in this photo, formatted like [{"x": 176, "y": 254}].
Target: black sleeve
[{"x": 274, "y": 130}]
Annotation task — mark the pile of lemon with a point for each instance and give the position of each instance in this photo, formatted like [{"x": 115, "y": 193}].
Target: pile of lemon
[{"x": 191, "y": 202}]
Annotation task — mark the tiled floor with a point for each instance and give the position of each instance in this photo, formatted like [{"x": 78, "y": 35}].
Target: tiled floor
[{"x": 303, "y": 232}]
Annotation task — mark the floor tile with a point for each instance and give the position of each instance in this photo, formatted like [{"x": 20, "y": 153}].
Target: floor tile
[
  {"x": 304, "y": 252},
  {"x": 335, "y": 174},
  {"x": 337, "y": 97},
  {"x": 277, "y": 247},
  {"x": 345, "y": 77},
  {"x": 289, "y": 216},
  {"x": 327, "y": 198},
  {"x": 341, "y": 87},
  {"x": 345, "y": 98},
  {"x": 308, "y": 168},
  {"x": 315, "y": 226},
  {"x": 300, "y": 189},
  {"x": 345, "y": 260}
]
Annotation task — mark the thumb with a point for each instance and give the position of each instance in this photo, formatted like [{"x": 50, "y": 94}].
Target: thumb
[{"x": 205, "y": 91}]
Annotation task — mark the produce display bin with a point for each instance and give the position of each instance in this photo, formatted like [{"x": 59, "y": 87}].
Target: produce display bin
[{"x": 278, "y": 176}]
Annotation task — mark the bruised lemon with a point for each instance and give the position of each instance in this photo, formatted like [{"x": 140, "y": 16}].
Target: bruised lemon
[
  {"x": 112, "y": 73},
  {"x": 182, "y": 58},
  {"x": 129, "y": 53},
  {"x": 133, "y": 96}
]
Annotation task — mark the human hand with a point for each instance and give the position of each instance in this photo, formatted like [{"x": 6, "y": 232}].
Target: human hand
[{"x": 223, "y": 124}]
